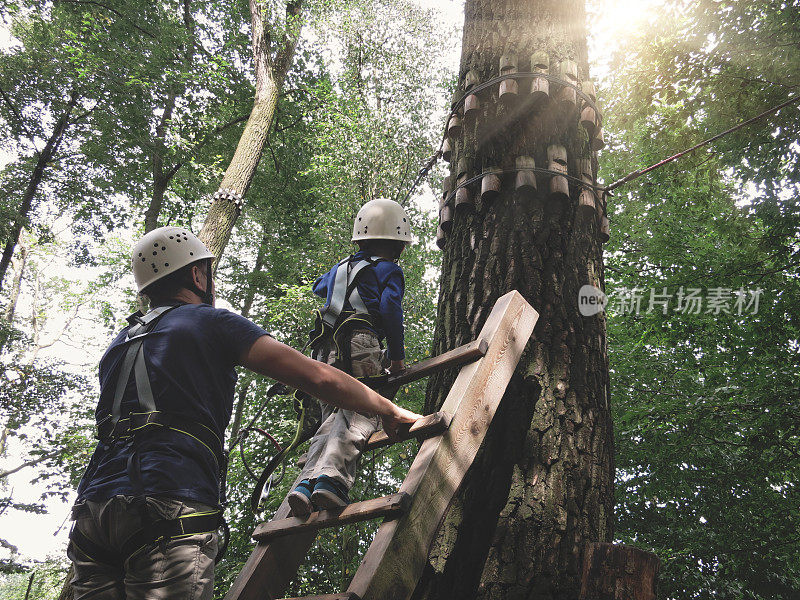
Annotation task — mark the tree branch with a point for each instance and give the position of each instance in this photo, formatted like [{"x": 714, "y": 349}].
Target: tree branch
[
  {"x": 28, "y": 463},
  {"x": 114, "y": 11},
  {"x": 206, "y": 138},
  {"x": 18, "y": 115}
]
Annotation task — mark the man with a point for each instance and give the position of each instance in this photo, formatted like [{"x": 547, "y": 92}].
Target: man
[{"x": 148, "y": 504}]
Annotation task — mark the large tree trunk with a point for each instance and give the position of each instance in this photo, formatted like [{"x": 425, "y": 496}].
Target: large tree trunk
[
  {"x": 543, "y": 483},
  {"x": 270, "y": 74}
]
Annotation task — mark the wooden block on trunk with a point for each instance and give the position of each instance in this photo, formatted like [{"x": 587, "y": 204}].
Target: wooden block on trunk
[
  {"x": 589, "y": 120},
  {"x": 599, "y": 140},
  {"x": 567, "y": 96},
  {"x": 526, "y": 179},
  {"x": 490, "y": 185},
  {"x": 618, "y": 572},
  {"x": 559, "y": 185},
  {"x": 454, "y": 127},
  {"x": 587, "y": 203},
  {"x": 605, "y": 229},
  {"x": 509, "y": 88},
  {"x": 472, "y": 107},
  {"x": 441, "y": 237},
  {"x": 446, "y": 218},
  {"x": 447, "y": 150},
  {"x": 397, "y": 557},
  {"x": 540, "y": 86},
  {"x": 345, "y": 596}
]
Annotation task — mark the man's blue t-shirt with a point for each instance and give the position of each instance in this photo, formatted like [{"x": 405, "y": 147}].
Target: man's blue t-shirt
[
  {"x": 190, "y": 356},
  {"x": 381, "y": 287}
]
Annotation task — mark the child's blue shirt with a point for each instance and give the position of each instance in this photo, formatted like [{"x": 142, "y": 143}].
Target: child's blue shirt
[{"x": 381, "y": 287}]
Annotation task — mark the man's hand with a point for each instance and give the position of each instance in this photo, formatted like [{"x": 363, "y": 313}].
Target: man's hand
[
  {"x": 401, "y": 419},
  {"x": 273, "y": 359}
]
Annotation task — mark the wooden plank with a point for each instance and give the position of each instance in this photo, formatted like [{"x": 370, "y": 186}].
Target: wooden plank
[
  {"x": 396, "y": 559},
  {"x": 387, "y": 506},
  {"x": 272, "y": 565},
  {"x": 453, "y": 358},
  {"x": 426, "y": 427},
  {"x": 345, "y": 596}
]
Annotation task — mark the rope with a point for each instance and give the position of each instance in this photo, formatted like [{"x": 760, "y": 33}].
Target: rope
[
  {"x": 604, "y": 189},
  {"x": 572, "y": 178},
  {"x": 640, "y": 172}
]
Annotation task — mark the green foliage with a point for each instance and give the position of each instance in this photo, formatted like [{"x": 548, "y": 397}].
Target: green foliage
[{"x": 706, "y": 432}]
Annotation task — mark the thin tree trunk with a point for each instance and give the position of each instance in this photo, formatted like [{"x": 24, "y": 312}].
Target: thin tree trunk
[
  {"x": 270, "y": 74},
  {"x": 161, "y": 179},
  {"x": 542, "y": 485},
  {"x": 11, "y": 307},
  {"x": 45, "y": 157},
  {"x": 19, "y": 272},
  {"x": 247, "y": 305}
]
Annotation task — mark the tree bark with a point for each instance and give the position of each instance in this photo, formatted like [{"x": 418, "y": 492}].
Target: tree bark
[
  {"x": 542, "y": 485},
  {"x": 45, "y": 157},
  {"x": 270, "y": 74}
]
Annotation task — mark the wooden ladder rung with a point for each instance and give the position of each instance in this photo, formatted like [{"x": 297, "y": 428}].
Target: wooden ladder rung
[
  {"x": 387, "y": 506},
  {"x": 452, "y": 358},
  {"x": 427, "y": 427},
  {"x": 344, "y": 596}
]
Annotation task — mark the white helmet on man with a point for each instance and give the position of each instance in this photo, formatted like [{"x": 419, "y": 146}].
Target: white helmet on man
[
  {"x": 164, "y": 251},
  {"x": 382, "y": 219}
]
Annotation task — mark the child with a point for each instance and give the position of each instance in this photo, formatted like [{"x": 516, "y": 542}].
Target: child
[{"x": 363, "y": 296}]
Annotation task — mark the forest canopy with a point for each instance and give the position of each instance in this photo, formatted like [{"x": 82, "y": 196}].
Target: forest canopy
[{"x": 116, "y": 115}]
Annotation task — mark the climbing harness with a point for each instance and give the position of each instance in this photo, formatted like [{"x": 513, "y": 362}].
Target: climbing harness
[
  {"x": 334, "y": 323},
  {"x": 333, "y": 328},
  {"x": 128, "y": 428}
]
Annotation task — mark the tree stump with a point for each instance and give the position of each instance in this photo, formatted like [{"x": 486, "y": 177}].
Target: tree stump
[{"x": 617, "y": 572}]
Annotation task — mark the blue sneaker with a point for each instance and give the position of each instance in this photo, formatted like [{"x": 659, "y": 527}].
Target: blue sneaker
[
  {"x": 329, "y": 493},
  {"x": 300, "y": 499}
]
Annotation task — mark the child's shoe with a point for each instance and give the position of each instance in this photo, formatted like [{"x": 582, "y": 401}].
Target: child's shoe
[
  {"x": 300, "y": 499},
  {"x": 328, "y": 494}
]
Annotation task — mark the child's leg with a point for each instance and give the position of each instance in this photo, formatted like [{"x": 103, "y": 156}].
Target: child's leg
[{"x": 349, "y": 431}]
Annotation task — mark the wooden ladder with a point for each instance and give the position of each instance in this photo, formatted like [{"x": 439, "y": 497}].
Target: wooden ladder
[{"x": 395, "y": 560}]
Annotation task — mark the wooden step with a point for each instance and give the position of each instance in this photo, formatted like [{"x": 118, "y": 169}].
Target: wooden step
[
  {"x": 344, "y": 596},
  {"x": 387, "y": 506},
  {"x": 452, "y": 358},
  {"x": 427, "y": 427}
]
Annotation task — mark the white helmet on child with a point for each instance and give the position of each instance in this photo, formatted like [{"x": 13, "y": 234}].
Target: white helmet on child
[
  {"x": 164, "y": 251},
  {"x": 382, "y": 219}
]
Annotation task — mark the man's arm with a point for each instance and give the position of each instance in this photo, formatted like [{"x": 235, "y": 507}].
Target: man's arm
[{"x": 279, "y": 361}]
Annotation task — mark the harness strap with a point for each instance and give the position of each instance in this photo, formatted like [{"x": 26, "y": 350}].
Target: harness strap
[
  {"x": 136, "y": 422},
  {"x": 157, "y": 531},
  {"x": 134, "y": 358},
  {"x": 345, "y": 288},
  {"x": 331, "y": 314}
]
